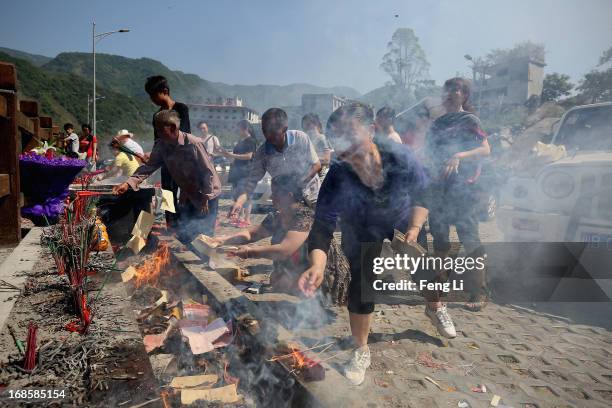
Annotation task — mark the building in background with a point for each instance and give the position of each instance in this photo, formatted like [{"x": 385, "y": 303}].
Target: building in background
[
  {"x": 222, "y": 117},
  {"x": 321, "y": 104},
  {"x": 510, "y": 83}
]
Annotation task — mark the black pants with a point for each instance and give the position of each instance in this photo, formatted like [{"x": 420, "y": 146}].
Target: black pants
[
  {"x": 192, "y": 222},
  {"x": 456, "y": 205}
]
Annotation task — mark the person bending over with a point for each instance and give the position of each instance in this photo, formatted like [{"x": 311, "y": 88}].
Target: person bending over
[
  {"x": 191, "y": 169},
  {"x": 374, "y": 188},
  {"x": 284, "y": 152},
  {"x": 288, "y": 226}
]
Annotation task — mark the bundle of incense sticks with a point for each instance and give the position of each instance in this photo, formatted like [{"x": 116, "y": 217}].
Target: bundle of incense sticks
[
  {"x": 29, "y": 361},
  {"x": 71, "y": 242},
  {"x": 85, "y": 316},
  {"x": 86, "y": 179}
]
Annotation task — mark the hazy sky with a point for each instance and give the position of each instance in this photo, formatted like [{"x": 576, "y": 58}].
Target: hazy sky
[{"x": 323, "y": 42}]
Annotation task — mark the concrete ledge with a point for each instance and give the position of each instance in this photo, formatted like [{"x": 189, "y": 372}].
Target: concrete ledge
[{"x": 12, "y": 271}]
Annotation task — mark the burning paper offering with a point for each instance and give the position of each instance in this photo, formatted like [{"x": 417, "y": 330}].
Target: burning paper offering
[
  {"x": 205, "y": 245},
  {"x": 129, "y": 273},
  {"x": 225, "y": 395},
  {"x": 203, "y": 381},
  {"x": 201, "y": 338},
  {"x": 143, "y": 225},
  {"x": 196, "y": 311},
  {"x": 136, "y": 243},
  {"x": 167, "y": 202}
]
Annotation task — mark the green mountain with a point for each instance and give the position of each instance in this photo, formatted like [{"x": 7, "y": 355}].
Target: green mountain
[
  {"x": 128, "y": 75},
  {"x": 62, "y": 85},
  {"x": 63, "y": 96},
  {"x": 35, "y": 59}
]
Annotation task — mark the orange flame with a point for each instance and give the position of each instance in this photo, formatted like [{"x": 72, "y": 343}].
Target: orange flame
[
  {"x": 300, "y": 360},
  {"x": 148, "y": 272}
]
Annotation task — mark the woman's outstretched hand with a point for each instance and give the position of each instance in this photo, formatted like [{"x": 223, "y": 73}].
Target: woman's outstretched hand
[
  {"x": 452, "y": 167},
  {"x": 310, "y": 280}
]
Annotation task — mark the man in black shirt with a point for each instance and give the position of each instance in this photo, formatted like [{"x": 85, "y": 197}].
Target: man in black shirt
[{"x": 159, "y": 92}]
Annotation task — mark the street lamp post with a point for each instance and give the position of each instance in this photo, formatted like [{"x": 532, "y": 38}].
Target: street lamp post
[{"x": 94, "y": 39}]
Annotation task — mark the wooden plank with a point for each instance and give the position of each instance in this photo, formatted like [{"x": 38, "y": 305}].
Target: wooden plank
[
  {"x": 10, "y": 139},
  {"x": 25, "y": 123},
  {"x": 3, "y": 107},
  {"x": 29, "y": 108},
  {"x": 8, "y": 76},
  {"x": 46, "y": 122},
  {"x": 5, "y": 185}
]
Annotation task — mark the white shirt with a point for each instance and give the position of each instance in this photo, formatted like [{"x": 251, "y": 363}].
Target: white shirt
[
  {"x": 133, "y": 146},
  {"x": 210, "y": 142},
  {"x": 73, "y": 140}
]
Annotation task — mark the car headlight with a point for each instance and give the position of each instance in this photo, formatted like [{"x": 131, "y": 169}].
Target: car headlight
[{"x": 558, "y": 184}]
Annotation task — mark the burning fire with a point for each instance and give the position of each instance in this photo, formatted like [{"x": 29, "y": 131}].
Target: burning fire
[
  {"x": 148, "y": 272},
  {"x": 300, "y": 360}
]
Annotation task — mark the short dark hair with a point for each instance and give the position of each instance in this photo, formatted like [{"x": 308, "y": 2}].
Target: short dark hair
[
  {"x": 156, "y": 84},
  {"x": 385, "y": 112},
  {"x": 356, "y": 110},
  {"x": 68, "y": 126},
  {"x": 86, "y": 126},
  {"x": 289, "y": 184},
  {"x": 245, "y": 124},
  {"x": 275, "y": 115},
  {"x": 314, "y": 119},
  {"x": 202, "y": 121}
]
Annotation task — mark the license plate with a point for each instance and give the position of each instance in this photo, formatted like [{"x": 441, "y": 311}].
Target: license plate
[{"x": 597, "y": 240}]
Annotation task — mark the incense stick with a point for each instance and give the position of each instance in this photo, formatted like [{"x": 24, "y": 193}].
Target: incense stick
[{"x": 301, "y": 351}]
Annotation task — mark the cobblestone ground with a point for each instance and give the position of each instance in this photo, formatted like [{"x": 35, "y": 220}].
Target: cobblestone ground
[{"x": 529, "y": 359}]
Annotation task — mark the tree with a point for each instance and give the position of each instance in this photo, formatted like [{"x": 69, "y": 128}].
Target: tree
[
  {"x": 521, "y": 50},
  {"x": 605, "y": 56},
  {"x": 555, "y": 87},
  {"x": 597, "y": 86},
  {"x": 405, "y": 61}
]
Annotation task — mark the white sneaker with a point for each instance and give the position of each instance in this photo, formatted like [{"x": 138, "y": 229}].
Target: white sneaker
[
  {"x": 442, "y": 320},
  {"x": 356, "y": 368}
]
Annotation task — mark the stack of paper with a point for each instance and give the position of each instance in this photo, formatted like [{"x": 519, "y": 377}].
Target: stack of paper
[
  {"x": 201, "y": 339},
  {"x": 141, "y": 230}
]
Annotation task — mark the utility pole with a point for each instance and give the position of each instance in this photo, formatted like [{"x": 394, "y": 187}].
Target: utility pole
[{"x": 95, "y": 38}]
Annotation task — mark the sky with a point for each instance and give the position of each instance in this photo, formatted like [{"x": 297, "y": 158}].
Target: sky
[{"x": 322, "y": 42}]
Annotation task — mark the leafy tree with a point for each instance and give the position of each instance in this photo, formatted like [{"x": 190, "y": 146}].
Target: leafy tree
[
  {"x": 597, "y": 86},
  {"x": 556, "y": 86},
  {"x": 521, "y": 50},
  {"x": 405, "y": 61},
  {"x": 605, "y": 56}
]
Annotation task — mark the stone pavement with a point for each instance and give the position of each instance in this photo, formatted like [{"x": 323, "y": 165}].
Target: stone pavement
[{"x": 527, "y": 358}]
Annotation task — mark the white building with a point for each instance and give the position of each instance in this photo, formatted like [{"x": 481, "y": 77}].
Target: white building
[
  {"x": 510, "y": 83},
  {"x": 222, "y": 116}
]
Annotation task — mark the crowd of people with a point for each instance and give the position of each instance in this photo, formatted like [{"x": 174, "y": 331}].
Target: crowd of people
[{"x": 366, "y": 174}]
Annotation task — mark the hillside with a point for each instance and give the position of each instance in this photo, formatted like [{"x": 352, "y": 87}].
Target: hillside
[
  {"x": 35, "y": 59},
  {"x": 62, "y": 84},
  {"x": 63, "y": 96},
  {"x": 127, "y": 75}
]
